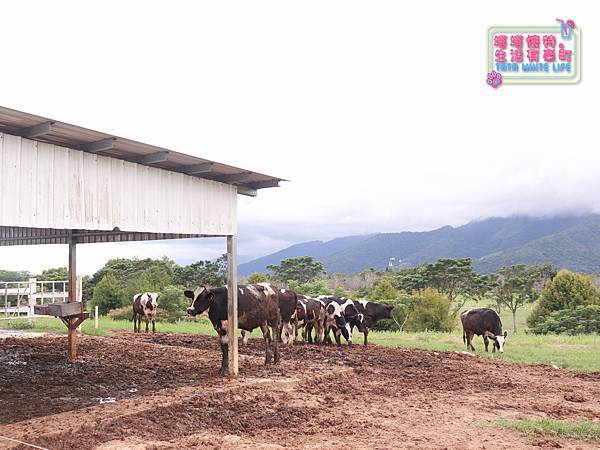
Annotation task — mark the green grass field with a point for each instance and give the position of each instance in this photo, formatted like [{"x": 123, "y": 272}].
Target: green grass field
[
  {"x": 571, "y": 352},
  {"x": 585, "y": 430}
]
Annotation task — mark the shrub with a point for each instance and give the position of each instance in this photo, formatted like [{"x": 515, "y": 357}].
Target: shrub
[
  {"x": 123, "y": 313},
  {"x": 107, "y": 294},
  {"x": 431, "y": 311},
  {"x": 566, "y": 291},
  {"x": 581, "y": 320},
  {"x": 257, "y": 278}
]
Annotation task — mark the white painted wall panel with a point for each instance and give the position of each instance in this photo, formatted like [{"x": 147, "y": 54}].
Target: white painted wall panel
[{"x": 48, "y": 186}]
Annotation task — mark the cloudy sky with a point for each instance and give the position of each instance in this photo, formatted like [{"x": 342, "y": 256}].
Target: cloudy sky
[{"x": 377, "y": 112}]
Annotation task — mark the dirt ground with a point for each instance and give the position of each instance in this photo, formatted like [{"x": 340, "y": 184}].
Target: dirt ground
[{"x": 140, "y": 391}]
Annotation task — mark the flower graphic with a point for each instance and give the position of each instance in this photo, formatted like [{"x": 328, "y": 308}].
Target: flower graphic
[
  {"x": 494, "y": 79},
  {"x": 571, "y": 23}
]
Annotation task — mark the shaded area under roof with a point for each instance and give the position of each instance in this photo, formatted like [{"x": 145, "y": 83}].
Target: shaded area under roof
[{"x": 64, "y": 134}]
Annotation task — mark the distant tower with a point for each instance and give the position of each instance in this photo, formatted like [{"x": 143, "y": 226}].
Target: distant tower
[{"x": 390, "y": 267}]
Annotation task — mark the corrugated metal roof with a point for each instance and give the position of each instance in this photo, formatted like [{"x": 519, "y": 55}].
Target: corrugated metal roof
[{"x": 60, "y": 133}]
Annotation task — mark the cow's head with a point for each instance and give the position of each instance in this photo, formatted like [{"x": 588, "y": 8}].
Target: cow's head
[
  {"x": 499, "y": 340},
  {"x": 201, "y": 300}
]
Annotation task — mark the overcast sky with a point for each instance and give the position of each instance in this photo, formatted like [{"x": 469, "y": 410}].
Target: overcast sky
[{"x": 377, "y": 112}]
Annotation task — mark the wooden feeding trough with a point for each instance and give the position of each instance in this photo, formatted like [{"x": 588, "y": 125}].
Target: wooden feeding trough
[
  {"x": 72, "y": 315},
  {"x": 64, "y": 184}
]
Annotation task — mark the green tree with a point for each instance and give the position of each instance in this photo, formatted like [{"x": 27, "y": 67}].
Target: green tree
[
  {"x": 14, "y": 275},
  {"x": 54, "y": 274},
  {"x": 515, "y": 288},
  {"x": 257, "y": 278},
  {"x": 301, "y": 269},
  {"x": 208, "y": 273},
  {"x": 311, "y": 288},
  {"x": 107, "y": 294},
  {"x": 124, "y": 269},
  {"x": 383, "y": 289},
  {"x": 566, "y": 291},
  {"x": 171, "y": 304}
]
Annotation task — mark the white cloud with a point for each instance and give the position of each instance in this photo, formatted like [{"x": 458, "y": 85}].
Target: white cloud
[{"x": 377, "y": 112}]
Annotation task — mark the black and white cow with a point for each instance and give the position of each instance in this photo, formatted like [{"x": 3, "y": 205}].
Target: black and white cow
[
  {"x": 287, "y": 307},
  {"x": 310, "y": 315},
  {"x": 372, "y": 312},
  {"x": 258, "y": 306},
  {"x": 483, "y": 322},
  {"x": 144, "y": 305},
  {"x": 334, "y": 320}
]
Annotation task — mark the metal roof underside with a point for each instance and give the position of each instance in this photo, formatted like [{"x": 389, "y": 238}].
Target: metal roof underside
[
  {"x": 37, "y": 236},
  {"x": 59, "y": 133}
]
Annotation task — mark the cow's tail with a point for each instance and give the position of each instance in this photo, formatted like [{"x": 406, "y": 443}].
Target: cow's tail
[{"x": 464, "y": 337}]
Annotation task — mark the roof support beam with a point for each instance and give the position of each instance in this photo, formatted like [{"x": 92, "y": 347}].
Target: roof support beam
[
  {"x": 98, "y": 146},
  {"x": 245, "y": 190},
  {"x": 236, "y": 177},
  {"x": 152, "y": 158},
  {"x": 36, "y": 130},
  {"x": 195, "y": 169},
  {"x": 265, "y": 184}
]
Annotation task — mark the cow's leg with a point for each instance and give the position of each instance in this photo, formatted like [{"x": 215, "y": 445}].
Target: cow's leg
[
  {"x": 153, "y": 324},
  {"x": 147, "y": 322},
  {"x": 307, "y": 333},
  {"x": 326, "y": 337},
  {"x": 486, "y": 342},
  {"x": 139, "y": 322},
  {"x": 288, "y": 330},
  {"x": 134, "y": 327},
  {"x": 318, "y": 332},
  {"x": 264, "y": 327},
  {"x": 470, "y": 336},
  {"x": 278, "y": 326},
  {"x": 366, "y": 333},
  {"x": 337, "y": 334},
  {"x": 224, "y": 370}
]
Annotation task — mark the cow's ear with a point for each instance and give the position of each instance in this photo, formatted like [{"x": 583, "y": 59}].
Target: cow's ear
[
  {"x": 390, "y": 307},
  {"x": 211, "y": 295},
  {"x": 505, "y": 334},
  {"x": 188, "y": 294}
]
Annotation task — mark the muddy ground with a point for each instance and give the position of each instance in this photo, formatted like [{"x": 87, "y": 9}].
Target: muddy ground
[{"x": 167, "y": 395}]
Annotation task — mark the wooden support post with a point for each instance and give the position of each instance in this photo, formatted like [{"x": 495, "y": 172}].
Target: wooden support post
[
  {"x": 72, "y": 350},
  {"x": 96, "y": 317},
  {"x": 232, "y": 304}
]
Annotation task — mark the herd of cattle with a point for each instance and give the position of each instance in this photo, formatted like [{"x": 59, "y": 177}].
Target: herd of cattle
[{"x": 286, "y": 313}]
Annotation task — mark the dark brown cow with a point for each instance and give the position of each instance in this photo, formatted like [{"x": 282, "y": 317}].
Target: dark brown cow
[
  {"x": 483, "y": 322},
  {"x": 258, "y": 306},
  {"x": 144, "y": 305}
]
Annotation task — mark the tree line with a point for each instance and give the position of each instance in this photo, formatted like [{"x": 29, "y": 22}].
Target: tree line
[{"x": 431, "y": 295}]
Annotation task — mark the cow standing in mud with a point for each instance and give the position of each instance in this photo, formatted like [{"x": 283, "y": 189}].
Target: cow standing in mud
[
  {"x": 310, "y": 315},
  {"x": 483, "y": 322},
  {"x": 372, "y": 312},
  {"x": 258, "y": 306},
  {"x": 144, "y": 305},
  {"x": 287, "y": 308},
  {"x": 334, "y": 320}
]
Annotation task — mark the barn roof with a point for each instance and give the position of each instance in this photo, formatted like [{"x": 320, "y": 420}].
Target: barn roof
[{"x": 64, "y": 134}]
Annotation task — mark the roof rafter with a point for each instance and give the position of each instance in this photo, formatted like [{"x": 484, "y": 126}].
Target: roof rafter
[{"x": 36, "y": 130}]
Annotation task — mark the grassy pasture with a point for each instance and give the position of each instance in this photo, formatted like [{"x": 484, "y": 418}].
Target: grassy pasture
[
  {"x": 571, "y": 352},
  {"x": 585, "y": 430}
]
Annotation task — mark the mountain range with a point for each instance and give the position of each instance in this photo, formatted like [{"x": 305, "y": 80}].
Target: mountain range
[{"x": 571, "y": 242}]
